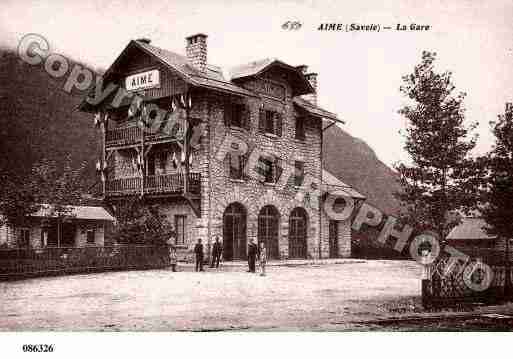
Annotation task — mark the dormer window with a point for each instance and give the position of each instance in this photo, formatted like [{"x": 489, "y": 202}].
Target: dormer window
[{"x": 270, "y": 122}]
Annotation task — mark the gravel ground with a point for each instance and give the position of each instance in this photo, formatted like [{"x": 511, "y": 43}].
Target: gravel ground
[{"x": 306, "y": 297}]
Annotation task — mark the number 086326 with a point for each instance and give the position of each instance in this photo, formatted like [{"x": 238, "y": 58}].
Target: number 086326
[{"x": 38, "y": 348}]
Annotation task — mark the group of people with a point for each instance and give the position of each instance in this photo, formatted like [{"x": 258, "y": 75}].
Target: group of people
[{"x": 254, "y": 252}]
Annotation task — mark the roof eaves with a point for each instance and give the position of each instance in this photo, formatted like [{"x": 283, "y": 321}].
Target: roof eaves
[{"x": 149, "y": 51}]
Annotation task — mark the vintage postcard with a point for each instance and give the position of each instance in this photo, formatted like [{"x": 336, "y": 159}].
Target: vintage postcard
[{"x": 254, "y": 166}]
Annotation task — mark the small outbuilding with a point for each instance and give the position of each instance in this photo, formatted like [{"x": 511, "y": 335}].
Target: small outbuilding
[{"x": 82, "y": 226}]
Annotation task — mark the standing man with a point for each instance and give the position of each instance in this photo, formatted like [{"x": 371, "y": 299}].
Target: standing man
[
  {"x": 262, "y": 257},
  {"x": 198, "y": 251},
  {"x": 252, "y": 253},
  {"x": 217, "y": 249}
]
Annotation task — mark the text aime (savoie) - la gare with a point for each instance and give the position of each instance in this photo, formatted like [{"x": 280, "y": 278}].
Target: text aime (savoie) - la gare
[{"x": 371, "y": 27}]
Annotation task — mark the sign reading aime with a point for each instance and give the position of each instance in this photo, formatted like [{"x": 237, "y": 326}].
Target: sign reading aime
[{"x": 143, "y": 80}]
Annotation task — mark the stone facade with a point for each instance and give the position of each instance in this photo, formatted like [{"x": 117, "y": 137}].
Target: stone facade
[{"x": 273, "y": 91}]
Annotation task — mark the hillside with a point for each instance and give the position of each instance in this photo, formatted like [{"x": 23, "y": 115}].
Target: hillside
[
  {"x": 37, "y": 119},
  {"x": 354, "y": 162}
]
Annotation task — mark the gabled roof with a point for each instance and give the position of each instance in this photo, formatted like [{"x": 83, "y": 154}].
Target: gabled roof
[
  {"x": 315, "y": 110},
  {"x": 212, "y": 79},
  {"x": 334, "y": 184},
  {"x": 470, "y": 228},
  {"x": 250, "y": 69},
  {"x": 78, "y": 212},
  {"x": 301, "y": 85}
]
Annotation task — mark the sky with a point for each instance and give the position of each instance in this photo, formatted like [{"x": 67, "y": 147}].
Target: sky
[{"x": 359, "y": 72}]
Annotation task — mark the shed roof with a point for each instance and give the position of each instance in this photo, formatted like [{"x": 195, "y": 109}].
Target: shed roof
[
  {"x": 470, "y": 228},
  {"x": 79, "y": 212},
  {"x": 315, "y": 110},
  {"x": 334, "y": 184}
]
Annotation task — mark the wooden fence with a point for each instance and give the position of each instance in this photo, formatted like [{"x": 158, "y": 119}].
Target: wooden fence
[
  {"x": 27, "y": 263},
  {"x": 452, "y": 283}
]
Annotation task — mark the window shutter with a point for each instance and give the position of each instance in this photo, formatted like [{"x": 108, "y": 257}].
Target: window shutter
[
  {"x": 261, "y": 120},
  {"x": 228, "y": 109},
  {"x": 278, "y": 124},
  {"x": 300, "y": 128},
  {"x": 244, "y": 161},
  {"x": 277, "y": 169},
  {"x": 230, "y": 170},
  {"x": 246, "y": 119},
  {"x": 299, "y": 173}
]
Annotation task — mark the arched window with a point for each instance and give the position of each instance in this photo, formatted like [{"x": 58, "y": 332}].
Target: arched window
[
  {"x": 298, "y": 223},
  {"x": 234, "y": 232},
  {"x": 268, "y": 230}
]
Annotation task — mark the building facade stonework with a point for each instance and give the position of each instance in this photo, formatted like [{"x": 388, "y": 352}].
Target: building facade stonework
[{"x": 262, "y": 105}]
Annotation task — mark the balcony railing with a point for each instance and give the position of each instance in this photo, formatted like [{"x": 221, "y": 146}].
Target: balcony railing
[
  {"x": 131, "y": 135},
  {"x": 124, "y": 185},
  {"x": 123, "y": 135},
  {"x": 168, "y": 183}
]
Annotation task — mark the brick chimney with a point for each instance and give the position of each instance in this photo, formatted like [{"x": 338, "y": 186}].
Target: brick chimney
[
  {"x": 312, "y": 97},
  {"x": 196, "y": 51}
]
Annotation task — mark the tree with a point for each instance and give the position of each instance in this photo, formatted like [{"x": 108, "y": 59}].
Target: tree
[
  {"x": 497, "y": 202},
  {"x": 140, "y": 224},
  {"x": 17, "y": 201},
  {"x": 47, "y": 188},
  {"x": 57, "y": 189},
  {"x": 438, "y": 181}
]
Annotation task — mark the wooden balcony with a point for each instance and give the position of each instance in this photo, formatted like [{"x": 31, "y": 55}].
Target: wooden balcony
[
  {"x": 123, "y": 136},
  {"x": 131, "y": 135},
  {"x": 159, "y": 184}
]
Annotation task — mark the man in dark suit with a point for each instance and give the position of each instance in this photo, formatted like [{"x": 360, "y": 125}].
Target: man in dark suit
[
  {"x": 217, "y": 249},
  {"x": 198, "y": 251},
  {"x": 252, "y": 254}
]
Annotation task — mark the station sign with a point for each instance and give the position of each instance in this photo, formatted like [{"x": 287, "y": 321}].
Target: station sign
[{"x": 143, "y": 80}]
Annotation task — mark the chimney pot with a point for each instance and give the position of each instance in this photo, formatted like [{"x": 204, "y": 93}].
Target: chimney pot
[{"x": 196, "y": 51}]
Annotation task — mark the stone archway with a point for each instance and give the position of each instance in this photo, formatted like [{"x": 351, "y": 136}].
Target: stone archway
[
  {"x": 298, "y": 225},
  {"x": 234, "y": 232},
  {"x": 268, "y": 230}
]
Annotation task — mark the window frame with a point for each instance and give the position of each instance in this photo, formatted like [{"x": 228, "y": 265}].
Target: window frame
[
  {"x": 299, "y": 178},
  {"x": 300, "y": 131},
  {"x": 237, "y": 114},
  {"x": 269, "y": 170},
  {"x": 93, "y": 231},
  {"x": 236, "y": 173},
  {"x": 24, "y": 238}
]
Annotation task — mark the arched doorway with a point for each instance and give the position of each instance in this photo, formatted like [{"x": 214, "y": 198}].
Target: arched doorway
[
  {"x": 268, "y": 230},
  {"x": 297, "y": 233},
  {"x": 234, "y": 232}
]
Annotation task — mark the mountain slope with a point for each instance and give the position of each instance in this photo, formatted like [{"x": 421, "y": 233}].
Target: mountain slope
[
  {"x": 37, "y": 119},
  {"x": 355, "y": 163}
]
